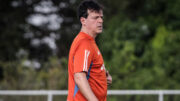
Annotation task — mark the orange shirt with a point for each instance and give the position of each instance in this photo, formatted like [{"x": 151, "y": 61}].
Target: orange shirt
[{"x": 85, "y": 56}]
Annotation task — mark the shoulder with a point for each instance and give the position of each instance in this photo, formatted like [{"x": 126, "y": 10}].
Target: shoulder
[
  {"x": 84, "y": 43},
  {"x": 81, "y": 43}
]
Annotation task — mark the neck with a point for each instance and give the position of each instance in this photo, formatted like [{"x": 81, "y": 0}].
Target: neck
[{"x": 89, "y": 33}]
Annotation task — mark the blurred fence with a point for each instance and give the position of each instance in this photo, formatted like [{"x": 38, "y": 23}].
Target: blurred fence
[{"x": 51, "y": 93}]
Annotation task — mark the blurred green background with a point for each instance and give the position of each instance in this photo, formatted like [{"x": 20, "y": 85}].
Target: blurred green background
[{"x": 140, "y": 44}]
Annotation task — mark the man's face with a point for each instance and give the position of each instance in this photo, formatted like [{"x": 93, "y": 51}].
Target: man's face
[{"x": 94, "y": 21}]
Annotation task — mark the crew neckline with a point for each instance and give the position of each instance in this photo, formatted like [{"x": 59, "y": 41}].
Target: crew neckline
[{"x": 87, "y": 35}]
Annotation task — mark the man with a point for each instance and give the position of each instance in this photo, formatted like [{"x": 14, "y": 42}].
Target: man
[{"x": 88, "y": 78}]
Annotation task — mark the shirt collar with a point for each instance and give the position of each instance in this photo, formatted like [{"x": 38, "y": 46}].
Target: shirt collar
[{"x": 87, "y": 35}]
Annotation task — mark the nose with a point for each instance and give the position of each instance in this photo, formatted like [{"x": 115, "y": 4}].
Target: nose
[{"x": 100, "y": 20}]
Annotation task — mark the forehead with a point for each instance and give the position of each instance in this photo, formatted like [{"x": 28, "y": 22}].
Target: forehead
[{"x": 95, "y": 13}]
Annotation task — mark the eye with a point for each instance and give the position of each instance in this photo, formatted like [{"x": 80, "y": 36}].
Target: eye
[
  {"x": 102, "y": 17},
  {"x": 96, "y": 17}
]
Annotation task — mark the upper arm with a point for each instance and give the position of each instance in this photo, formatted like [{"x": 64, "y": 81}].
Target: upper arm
[
  {"x": 83, "y": 57},
  {"x": 79, "y": 76}
]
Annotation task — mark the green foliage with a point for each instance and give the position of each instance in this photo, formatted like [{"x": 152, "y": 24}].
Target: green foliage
[
  {"x": 149, "y": 68},
  {"x": 20, "y": 77},
  {"x": 142, "y": 52}
]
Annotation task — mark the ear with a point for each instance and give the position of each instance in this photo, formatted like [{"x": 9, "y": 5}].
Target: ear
[{"x": 83, "y": 21}]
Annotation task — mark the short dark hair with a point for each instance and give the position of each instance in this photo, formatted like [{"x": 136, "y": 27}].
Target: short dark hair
[{"x": 86, "y": 5}]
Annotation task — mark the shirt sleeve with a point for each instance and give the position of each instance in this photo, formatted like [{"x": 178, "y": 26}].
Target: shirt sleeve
[{"x": 83, "y": 57}]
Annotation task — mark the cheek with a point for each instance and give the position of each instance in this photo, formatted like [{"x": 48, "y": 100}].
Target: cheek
[{"x": 91, "y": 24}]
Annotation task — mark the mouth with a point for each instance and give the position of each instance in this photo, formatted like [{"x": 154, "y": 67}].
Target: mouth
[{"x": 100, "y": 27}]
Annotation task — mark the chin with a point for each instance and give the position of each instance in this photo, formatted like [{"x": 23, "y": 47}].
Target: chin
[{"x": 99, "y": 31}]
